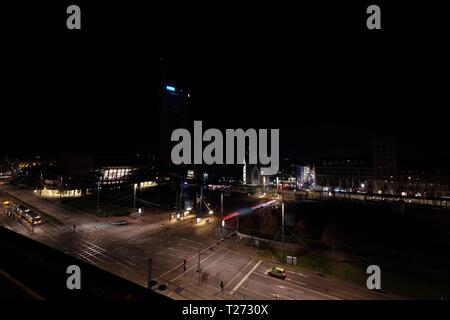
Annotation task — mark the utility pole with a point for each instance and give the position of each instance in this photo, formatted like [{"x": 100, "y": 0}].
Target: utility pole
[
  {"x": 98, "y": 196},
  {"x": 201, "y": 198},
  {"x": 221, "y": 215},
  {"x": 60, "y": 189},
  {"x": 149, "y": 274},
  {"x": 134, "y": 201},
  {"x": 196, "y": 205},
  {"x": 181, "y": 198},
  {"x": 278, "y": 185},
  {"x": 199, "y": 250},
  {"x": 282, "y": 231},
  {"x": 198, "y": 266},
  {"x": 177, "y": 201}
]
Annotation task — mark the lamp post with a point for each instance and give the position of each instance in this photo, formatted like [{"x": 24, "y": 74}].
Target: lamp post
[
  {"x": 98, "y": 196},
  {"x": 181, "y": 196},
  {"x": 61, "y": 188},
  {"x": 134, "y": 201},
  {"x": 282, "y": 231},
  {"x": 196, "y": 206},
  {"x": 201, "y": 199},
  {"x": 221, "y": 215},
  {"x": 176, "y": 202},
  {"x": 149, "y": 274}
]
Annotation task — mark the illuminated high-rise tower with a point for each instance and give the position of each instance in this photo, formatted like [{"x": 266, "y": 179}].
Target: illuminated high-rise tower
[{"x": 173, "y": 111}]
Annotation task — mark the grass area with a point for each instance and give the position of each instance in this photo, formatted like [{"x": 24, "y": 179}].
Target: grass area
[
  {"x": 395, "y": 282},
  {"x": 107, "y": 208},
  {"x": 343, "y": 270}
]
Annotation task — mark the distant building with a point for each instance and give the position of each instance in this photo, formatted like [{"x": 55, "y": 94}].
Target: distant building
[
  {"x": 345, "y": 175},
  {"x": 287, "y": 175},
  {"x": 420, "y": 182},
  {"x": 79, "y": 174},
  {"x": 7, "y": 167},
  {"x": 166, "y": 100},
  {"x": 173, "y": 114},
  {"x": 306, "y": 176},
  {"x": 384, "y": 176},
  {"x": 384, "y": 154}
]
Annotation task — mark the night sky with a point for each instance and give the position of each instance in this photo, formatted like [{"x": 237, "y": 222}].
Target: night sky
[{"x": 317, "y": 74}]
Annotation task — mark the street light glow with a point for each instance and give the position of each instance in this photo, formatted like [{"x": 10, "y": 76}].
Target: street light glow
[{"x": 170, "y": 88}]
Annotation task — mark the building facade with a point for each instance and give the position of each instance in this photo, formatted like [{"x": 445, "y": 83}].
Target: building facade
[{"x": 345, "y": 175}]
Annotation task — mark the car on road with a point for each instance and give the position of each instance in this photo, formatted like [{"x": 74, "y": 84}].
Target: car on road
[
  {"x": 277, "y": 272},
  {"x": 120, "y": 223}
]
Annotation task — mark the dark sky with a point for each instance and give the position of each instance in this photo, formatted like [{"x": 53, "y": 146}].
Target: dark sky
[{"x": 315, "y": 73}]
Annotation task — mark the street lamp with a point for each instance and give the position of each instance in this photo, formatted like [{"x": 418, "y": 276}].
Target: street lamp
[
  {"x": 134, "y": 202},
  {"x": 282, "y": 231},
  {"x": 61, "y": 188},
  {"x": 98, "y": 196},
  {"x": 278, "y": 185},
  {"x": 221, "y": 215}
]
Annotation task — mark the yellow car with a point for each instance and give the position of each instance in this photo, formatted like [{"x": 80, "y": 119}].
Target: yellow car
[
  {"x": 277, "y": 272},
  {"x": 6, "y": 204}
]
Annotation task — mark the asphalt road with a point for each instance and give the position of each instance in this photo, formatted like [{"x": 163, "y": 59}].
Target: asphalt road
[{"x": 124, "y": 250}]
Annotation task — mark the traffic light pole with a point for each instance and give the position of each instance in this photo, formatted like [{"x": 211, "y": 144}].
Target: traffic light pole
[
  {"x": 221, "y": 215},
  {"x": 149, "y": 274},
  {"x": 282, "y": 231}
]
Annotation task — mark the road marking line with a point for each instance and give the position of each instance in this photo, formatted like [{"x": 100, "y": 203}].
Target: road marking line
[
  {"x": 217, "y": 259},
  {"x": 281, "y": 296},
  {"x": 86, "y": 258},
  {"x": 242, "y": 270},
  {"x": 255, "y": 292},
  {"x": 287, "y": 279},
  {"x": 101, "y": 250},
  {"x": 290, "y": 289},
  {"x": 291, "y": 280},
  {"x": 181, "y": 264},
  {"x": 195, "y": 266},
  {"x": 299, "y": 273},
  {"x": 247, "y": 275},
  {"x": 322, "y": 294},
  {"x": 304, "y": 288}
]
